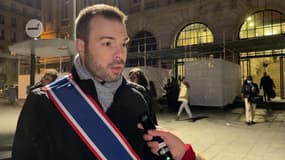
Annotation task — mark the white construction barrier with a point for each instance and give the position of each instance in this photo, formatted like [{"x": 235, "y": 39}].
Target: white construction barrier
[{"x": 214, "y": 82}]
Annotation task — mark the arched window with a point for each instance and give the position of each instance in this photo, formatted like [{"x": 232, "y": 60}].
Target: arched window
[
  {"x": 142, "y": 41},
  {"x": 263, "y": 23},
  {"x": 195, "y": 33}
]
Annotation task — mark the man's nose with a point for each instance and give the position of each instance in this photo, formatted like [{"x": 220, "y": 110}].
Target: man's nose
[{"x": 120, "y": 51}]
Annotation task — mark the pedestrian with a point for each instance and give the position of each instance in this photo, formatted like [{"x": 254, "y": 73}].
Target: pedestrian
[
  {"x": 172, "y": 90},
  {"x": 184, "y": 99},
  {"x": 49, "y": 76},
  {"x": 93, "y": 112},
  {"x": 167, "y": 87},
  {"x": 267, "y": 84},
  {"x": 137, "y": 76},
  {"x": 12, "y": 94},
  {"x": 152, "y": 89},
  {"x": 250, "y": 91}
]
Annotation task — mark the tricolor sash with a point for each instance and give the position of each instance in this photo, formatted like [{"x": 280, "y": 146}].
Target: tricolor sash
[{"x": 89, "y": 121}]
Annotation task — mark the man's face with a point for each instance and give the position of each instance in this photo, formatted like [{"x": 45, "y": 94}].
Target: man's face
[{"x": 105, "y": 54}]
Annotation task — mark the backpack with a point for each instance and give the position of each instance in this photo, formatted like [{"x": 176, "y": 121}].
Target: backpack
[
  {"x": 250, "y": 89},
  {"x": 253, "y": 89},
  {"x": 253, "y": 93}
]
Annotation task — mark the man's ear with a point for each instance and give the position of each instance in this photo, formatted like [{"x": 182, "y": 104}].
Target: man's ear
[{"x": 80, "y": 46}]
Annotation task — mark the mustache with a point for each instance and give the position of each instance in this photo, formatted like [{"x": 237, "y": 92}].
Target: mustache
[{"x": 118, "y": 61}]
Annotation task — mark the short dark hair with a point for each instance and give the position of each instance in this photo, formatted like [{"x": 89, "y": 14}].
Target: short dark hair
[
  {"x": 249, "y": 78},
  {"x": 85, "y": 15}
]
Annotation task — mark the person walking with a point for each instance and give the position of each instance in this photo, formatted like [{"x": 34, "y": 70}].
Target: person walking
[
  {"x": 267, "y": 84},
  {"x": 250, "y": 91},
  {"x": 183, "y": 98}
]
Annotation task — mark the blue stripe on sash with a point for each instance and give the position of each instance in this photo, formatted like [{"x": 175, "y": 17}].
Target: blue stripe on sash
[{"x": 90, "y": 121}]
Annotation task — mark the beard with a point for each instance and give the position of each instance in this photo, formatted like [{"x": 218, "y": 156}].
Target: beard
[{"x": 103, "y": 72}]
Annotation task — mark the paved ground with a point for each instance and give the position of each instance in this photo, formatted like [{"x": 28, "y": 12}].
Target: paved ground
[{"x": 223, "y": 135}]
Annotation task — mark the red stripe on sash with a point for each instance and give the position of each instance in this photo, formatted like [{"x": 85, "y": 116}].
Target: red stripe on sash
[{"x": 78, "y": 130}]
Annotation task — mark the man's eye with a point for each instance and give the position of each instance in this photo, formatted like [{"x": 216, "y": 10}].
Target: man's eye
[
  {"x": 125, "y": 44},
  {"x": 107, "y": 44}
]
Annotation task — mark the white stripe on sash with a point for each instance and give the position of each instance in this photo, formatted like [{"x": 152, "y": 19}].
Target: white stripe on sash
[{"x": 86, "y": 118}]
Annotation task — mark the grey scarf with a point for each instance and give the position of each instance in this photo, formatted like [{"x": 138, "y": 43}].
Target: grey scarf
[{"x": 105, "y": 92}]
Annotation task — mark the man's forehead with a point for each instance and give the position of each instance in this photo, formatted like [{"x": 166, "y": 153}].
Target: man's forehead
[{"x": 107, "y": 27}]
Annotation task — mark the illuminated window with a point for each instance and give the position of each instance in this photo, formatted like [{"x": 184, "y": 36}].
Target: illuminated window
[
  {"x": 263, "y": 23},
  {"x": 142, "y": 41},
  {"x": 13, "y": 22},
  {"x": 2, "y": 19},
  {"x": 2, "y": 35},
  {"x": 195, "y": 33}
]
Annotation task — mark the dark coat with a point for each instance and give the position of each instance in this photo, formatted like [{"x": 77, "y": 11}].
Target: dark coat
[
  {"x": 250, "y": 89},
  {"x": 266, "y": 83},
  {"x": 43, "y": 133}
]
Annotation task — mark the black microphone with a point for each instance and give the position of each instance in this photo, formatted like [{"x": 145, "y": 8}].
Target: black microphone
[{"x": 147, "y": 123}]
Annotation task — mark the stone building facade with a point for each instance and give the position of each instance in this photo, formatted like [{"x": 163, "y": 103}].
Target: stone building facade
[
  {"x": 163, "y": 32},
  {"x": 14, "y": 14}
]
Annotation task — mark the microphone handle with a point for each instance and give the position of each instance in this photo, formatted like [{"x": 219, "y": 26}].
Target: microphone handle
[{"x": 147, "y": 123}]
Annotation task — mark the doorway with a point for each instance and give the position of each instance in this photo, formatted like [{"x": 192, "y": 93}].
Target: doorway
[{"x": 272, "y": 65}]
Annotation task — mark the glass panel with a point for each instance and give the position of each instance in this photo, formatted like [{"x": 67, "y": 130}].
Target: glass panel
[
  {"x": 283, "y": 28},
  {"x": 243, "y": 31},
  {"x": 259, "y": 53},
  {"x": 267, "y": 18},
  {"x": 243, "y": 54},
  {"x": 251, "y": 53},
  {"x": 250, "y": 33},
  {"x": 244, "y": 26},
  {"x": 242, "y": 35},
  {"x": 259, "y": 19},
  {"x": 276, "y": 17},
  {"x": 268, "y": 30},
  {"x": 210, "y": 38},
  {"x": 268, "y": 52},
  {"x": 259, "y": 32},
  {"x": 276, "y": 28},
  {"x": 277, "y": 51}
]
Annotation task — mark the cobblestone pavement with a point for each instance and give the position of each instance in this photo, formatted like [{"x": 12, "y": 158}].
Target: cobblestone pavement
[{"x": 218, "y": 135}]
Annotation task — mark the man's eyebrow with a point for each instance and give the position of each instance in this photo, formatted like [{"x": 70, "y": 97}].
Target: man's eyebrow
[
  {"x": 127, "y": 39},
  {"x": 112, "y": 38},
  {"x": 106, "y": 37}
]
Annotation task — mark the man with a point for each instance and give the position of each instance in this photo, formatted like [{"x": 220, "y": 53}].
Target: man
[
  {"x": 49, "y": 76},
  {"x": 267, "y": 84},
  {"x": 55, "y": 121}
]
